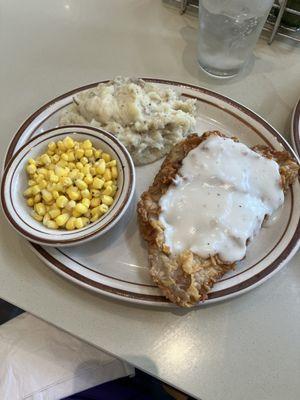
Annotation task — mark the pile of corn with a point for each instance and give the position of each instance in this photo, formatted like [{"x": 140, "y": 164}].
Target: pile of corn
[{"x": 71, "y": 185}]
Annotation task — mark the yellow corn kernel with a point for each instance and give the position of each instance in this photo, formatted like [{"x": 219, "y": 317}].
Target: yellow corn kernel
[
  {"x": 31, "y": 169},
  {"x": 76, "y": 214},
  {"x": 84, "y": 160},
  {"x": 79, "y": 153},
  {"x": 73, "y": 173},
  {"x": 45, "y": 159},
  {"x": 55, "y": 158},
  {"x": 87, "y": 214},
  {"x": 50, "y": 186},
  {"x": 88, "y": 179},
  {"x": 30, "y": 202},
  {"x": 70, "y": 225},
  {"x": 61, "y": 171},
  {"x": 86, "y": 169},
  {"x": 108, "y": 183},
  {"x": 95, "y": 202},
  {"x": 65, "y": 210},
  {"x": 39, "y": 178},
  {"x": 60, "y": 145},
  {"x": 46, "y": 195},
  {"x": 31, "y": 182},
  {"x": 51, "y": 146},
  {"x": 112, "y": 163},
  {"x": 28, "y": 192},
  {"x": 108, "y": 200},
  {"x": 68, "y": 142},
  {"x": 46, "y": 219},
  {"x": 103, "y": 208},
  {"x": 37, "y": 198},
  {"x": 86, "y": 202},
  {"x": 80, "y": 175},
  {"x": 71, "y": 156},
  {"x": 64, "y": 157},
  {"x": 72, "y": 166},
  {"x": 59, "y": 187},
  {"x": 100, "y": 167},
  {"x": 80, "y": 184},
  {"x": 36, "y": 216},
  {"x": 51, "y": 224},
  {"x": 43, "y": 171},
  {"x": 50, "y": 167},
  {"x": 106, "y": 157},
  {"x": 40, "y": 209},
  {"x": 55, "y": 212},
  {"x": 31, "y": 161},
  {"x": 61, "y": 201},
  {"x": 93, "y": 171},
  {"x": 71, "y": 204},
  {"x": 95, "y": 217},
  {"x": 50, "y": 153},
  {"x": 97, "y": 153},
  {"x": 62, "y": 219},
  {"x": 53, "y": 178},
  {"x": 88, "y": 153},
  {"x": 80, "y": 208},
  {"x": 79, "y": 223},
  {"x": 85, "y": 220},
  {"x": 97, "y": 183},
  {"x": 107, "y": 191},
  {"x": 55, "y": 194},
  {"x": 107, "y": 175},
  {"x": 62, "y": 163},
  {"x": 87, "y": 144},
  {"x": 73, "y": 195},
  {"x": 43, "y": 184},
  {"x": 85, "y": 194},
  {"x": 66, "y": 181},
  {"x": 114, "y": 172},
  {"x": 35, "y": 189},
  {"x": 79, "y": 165},
  {"x": 95, "y": 210},
  {"x": 96, "y": 193},
  {"x": 114, "y": 189}
]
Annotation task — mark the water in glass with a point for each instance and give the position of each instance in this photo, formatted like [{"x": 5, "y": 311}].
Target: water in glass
[{"x": 228, "y": 32}]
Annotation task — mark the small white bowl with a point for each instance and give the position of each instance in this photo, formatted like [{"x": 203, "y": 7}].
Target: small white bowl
[{"x": 15, "y": 179}]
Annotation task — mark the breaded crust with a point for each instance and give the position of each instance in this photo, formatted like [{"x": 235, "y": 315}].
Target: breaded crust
[{"x": 185, "y": 279}]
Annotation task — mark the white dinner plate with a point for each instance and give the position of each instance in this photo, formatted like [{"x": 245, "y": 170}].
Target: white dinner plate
[
  {"x": 116, "y": 264},
  {"x": 295, "y": 128}
]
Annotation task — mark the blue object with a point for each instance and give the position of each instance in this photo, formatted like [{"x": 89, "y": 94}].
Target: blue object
[{"x": 140, "y": 387}]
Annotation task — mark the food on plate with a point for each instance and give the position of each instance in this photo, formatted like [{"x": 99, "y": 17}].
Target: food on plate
[
  {"x": 209, "y": 198},
  {"x": 145, "y": 117},
  {"x": 71, "y": 185}
]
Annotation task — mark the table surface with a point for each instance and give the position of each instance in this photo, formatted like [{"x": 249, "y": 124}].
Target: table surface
[{"x": 245, "y": 348}]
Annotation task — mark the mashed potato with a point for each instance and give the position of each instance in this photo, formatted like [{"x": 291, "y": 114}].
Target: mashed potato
[{"x": 146, "y": 118}]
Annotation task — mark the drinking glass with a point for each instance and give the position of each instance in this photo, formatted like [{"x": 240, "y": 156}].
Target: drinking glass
[{"x": 228, "y": 32}]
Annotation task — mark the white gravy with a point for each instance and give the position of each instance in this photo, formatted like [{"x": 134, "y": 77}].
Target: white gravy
[{"x": 219, "y": 199}]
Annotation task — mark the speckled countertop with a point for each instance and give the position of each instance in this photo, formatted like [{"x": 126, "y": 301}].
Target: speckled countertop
[{"x": 246, "y": 348}]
